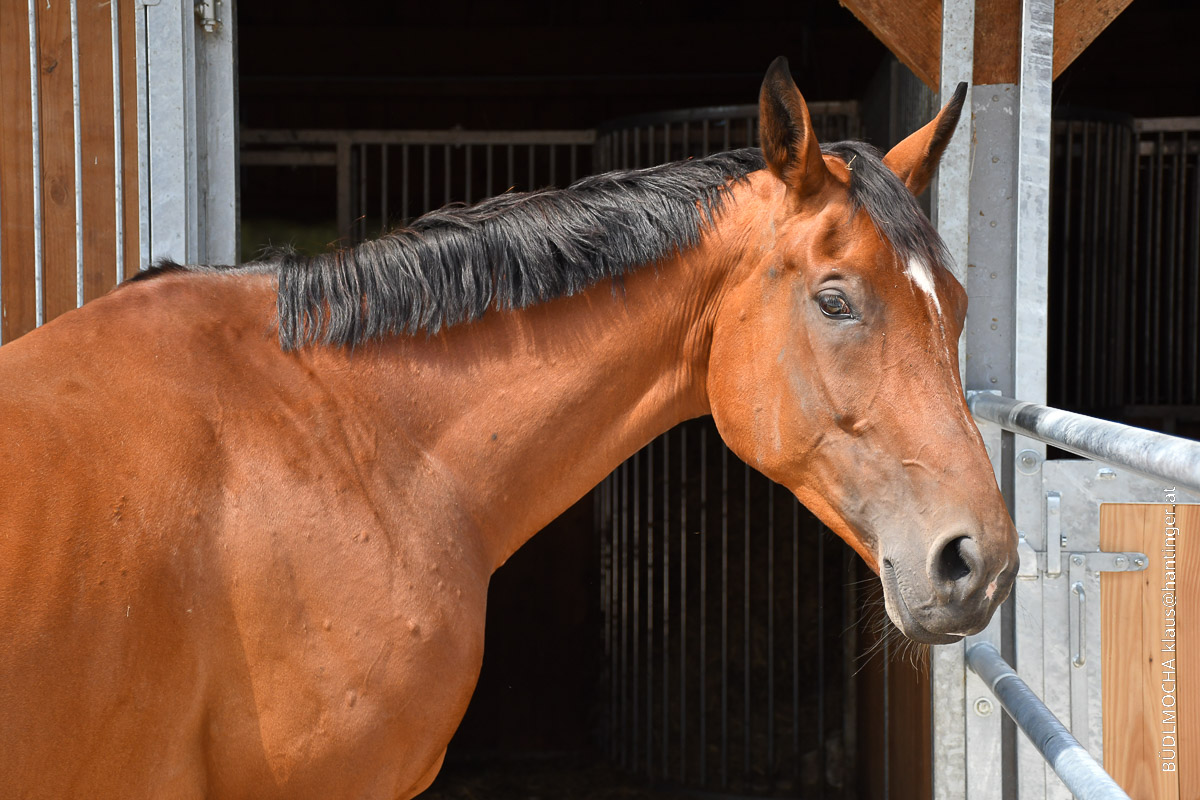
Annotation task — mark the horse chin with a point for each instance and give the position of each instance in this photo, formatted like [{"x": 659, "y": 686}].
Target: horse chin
[{"x": 902, "y": 617}]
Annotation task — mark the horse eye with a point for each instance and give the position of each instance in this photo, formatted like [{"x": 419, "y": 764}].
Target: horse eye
[{"x": 834, "y": 305}]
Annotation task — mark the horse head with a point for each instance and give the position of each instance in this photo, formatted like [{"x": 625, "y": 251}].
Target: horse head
[{"x": 834, "y": 367}]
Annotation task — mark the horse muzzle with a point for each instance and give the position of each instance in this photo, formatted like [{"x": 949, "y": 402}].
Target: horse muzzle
[{"x": 952, "y": 594}]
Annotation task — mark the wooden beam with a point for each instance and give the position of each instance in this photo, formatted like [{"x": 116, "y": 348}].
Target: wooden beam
[
  {"x": 913, "y": 32},
  {"x": 1077, "y": 23}
]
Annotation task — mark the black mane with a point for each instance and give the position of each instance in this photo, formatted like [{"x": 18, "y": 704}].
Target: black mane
[
  {"x": 520, "y": 249},
  {"x": 511, "y": 251}
]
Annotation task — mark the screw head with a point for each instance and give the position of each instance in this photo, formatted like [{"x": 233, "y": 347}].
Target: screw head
[
  {"x": 1106, "y": 474},
  {"x": 1028, "y": 462},
  {"x": 1077, "y": 560},
  {"x": 983, "y": 706},
  {"x": 1138, "y": 561},
  {"x": 1120, "y": 561}
]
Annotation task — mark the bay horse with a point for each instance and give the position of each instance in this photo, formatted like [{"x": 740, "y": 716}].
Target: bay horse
[{"x": 248, "y": 515}]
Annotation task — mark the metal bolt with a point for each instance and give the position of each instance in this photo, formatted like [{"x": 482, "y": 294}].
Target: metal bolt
[
  {"x": 1062, "y": 542},
  {"x": 1120, "y": 561},
  {"x": 1139, "y": 562},
  {"x": 1077, "y": 560},
  {"x": 983, "y": 707},
  {"x": 1106, "y": 474},
  {"x": 1028, "y": 462}
]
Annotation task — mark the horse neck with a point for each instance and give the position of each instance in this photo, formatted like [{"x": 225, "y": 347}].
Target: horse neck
[{"x": 525, "y": 411}]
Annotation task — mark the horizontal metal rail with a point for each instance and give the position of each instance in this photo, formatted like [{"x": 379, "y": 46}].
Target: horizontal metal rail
[
  {"x": 1153, "y": 455},
  {"x": 1085, "y": 778}
]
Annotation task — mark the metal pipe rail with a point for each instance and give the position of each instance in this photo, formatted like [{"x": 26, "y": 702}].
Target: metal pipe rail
[
  {"x": 1153, "y": 455},
  {"x": 1085, "y": 778}
]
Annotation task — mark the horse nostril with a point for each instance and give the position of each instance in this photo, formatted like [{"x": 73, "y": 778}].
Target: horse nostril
[{"x": 958, "y": 558}]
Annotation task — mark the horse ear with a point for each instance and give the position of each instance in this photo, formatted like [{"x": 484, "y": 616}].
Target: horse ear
[
  {"x": 788, "y": 142},
  {"x": 915, "y": 158}
]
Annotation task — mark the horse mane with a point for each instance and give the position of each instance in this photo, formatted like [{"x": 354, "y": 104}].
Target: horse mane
[
  {"x": 523, "y": 248},
  {"x": 508, "y": 252}
]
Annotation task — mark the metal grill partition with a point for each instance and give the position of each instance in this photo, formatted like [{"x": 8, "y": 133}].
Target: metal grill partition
[
  {"x": 1125, "y": 268},
  {"x": 730, "y": 612},
  {"x": 386, "y": 177},
  {"x": 729, "y": 625}
]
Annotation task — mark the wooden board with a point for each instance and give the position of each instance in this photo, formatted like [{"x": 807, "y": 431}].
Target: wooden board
[
  {"x": 97, "y": 179},
  {"x": 1140, "y": 640},
  {"x": 913, "y": 32}
]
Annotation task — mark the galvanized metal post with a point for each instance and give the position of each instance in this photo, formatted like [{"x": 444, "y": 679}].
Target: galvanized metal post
[
  {"x": 187, "y": 131},
  {"x": 951, "y": 215}
]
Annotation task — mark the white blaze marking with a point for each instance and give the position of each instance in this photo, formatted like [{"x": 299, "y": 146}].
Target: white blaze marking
[{"x": 920, "y": 273}]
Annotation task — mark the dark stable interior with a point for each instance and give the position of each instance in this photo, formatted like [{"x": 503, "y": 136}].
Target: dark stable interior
[{"x": 536, "y": 726}]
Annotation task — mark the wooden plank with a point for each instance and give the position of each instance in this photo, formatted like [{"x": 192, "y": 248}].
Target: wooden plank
[
  {"x": 57, "y": 124},
  {"x": 96, "y": 114},
  {"x": 911, "y": 30},
  {"x": 16, "y": 174},
  {"x": 1135, "y": 649},
  {"x": 1077, "y": 23},
  {"x": 997, "y": 41}
]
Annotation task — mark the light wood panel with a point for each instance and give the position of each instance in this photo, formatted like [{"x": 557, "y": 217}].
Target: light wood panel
[{"x": 1134, "y": 622}]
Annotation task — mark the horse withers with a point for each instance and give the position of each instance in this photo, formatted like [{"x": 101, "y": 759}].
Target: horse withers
[{"x": 248, "y": 515}]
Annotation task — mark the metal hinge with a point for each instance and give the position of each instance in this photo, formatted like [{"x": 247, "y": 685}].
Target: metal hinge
[
  {"x": 207, "y": 14},
  {"x": 1050, "y": 562}
]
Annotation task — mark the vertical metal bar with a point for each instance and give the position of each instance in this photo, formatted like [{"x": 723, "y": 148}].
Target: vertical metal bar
[
  {"x": 703, "y": 659},
  {"x": 118, "y": 143},
  {"x": 467, "y": 199},
  {"x": 821, "y": 688},
  {"x": 1079, "y": 300},
  {"x": 1154, "y": 319},
  {"x": 1134, "y": 262},
  {"x": 771, "y": 629},
  {"x": 143, "y": 128},
  {"x": 383, "y": 187},
  {"x": 666, "y": 596},
  {"x": 625, "y": 555},
  {"x": 487, "y": 180},
  {"x": 36, "y": 135},
  {"x": 650, "y": 611},
  {"x": 634, "y": 685},
  {"x": 683, "y": 601},
  {"x": 724, "y": 617},
  {"x": 887, "y": 716},
  {"x": 404, "y": 186},
  {"x": 344, "y": 196},
  {"x": 78, "y": 141},
  {"x": 614, "y": 593},
  {"x": 746, "y": 704},
  {"x": 361, "y": 221},
  {"x": 1069, "y": 194},
  {"x": 1177, "y": 367},
  {"x": 796, "y": 638}
]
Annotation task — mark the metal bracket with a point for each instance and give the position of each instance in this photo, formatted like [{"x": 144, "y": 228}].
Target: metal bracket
[
  {"x": 1101, "y": 562},
  {"x": 207, "y": 14}
]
